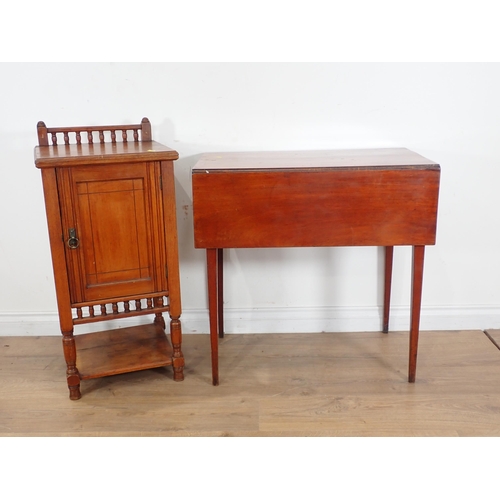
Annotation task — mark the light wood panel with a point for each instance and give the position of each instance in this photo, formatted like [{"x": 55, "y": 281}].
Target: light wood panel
[{"x": 329, "y": 384}]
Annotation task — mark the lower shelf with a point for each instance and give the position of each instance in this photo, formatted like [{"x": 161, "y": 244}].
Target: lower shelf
[{"x": 122, "y": 350}]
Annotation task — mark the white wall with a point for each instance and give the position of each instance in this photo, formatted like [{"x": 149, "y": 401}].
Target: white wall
[{"x": 447, "y": 112}]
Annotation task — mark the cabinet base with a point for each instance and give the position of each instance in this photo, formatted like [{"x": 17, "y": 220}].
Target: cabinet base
[{"x": 123, "y": 350}]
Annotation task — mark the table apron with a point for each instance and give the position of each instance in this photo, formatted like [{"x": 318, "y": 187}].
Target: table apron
[{"x": 285, "y": 208}]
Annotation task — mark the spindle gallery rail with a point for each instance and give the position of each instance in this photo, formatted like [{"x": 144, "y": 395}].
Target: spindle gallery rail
[
  {"x": 90, "y": 312},
  {"x": 87, "y": 132}
]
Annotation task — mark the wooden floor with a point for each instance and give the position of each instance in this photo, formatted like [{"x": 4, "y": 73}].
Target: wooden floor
[{"x": 328, "y": 384}]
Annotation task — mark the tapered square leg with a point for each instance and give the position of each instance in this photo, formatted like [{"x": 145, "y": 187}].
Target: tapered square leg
[
  {"x": 212, "y": 273},
  {"x": 220, "y": 292},
  {"x": 389, "y": 253},
  {"x": 416, "y": 301}
]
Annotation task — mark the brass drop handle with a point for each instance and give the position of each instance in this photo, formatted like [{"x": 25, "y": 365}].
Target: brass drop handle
[{"x": 73, "y": 241}]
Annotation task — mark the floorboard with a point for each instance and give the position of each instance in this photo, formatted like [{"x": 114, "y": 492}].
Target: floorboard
[
  {"x": 328, "y": 384},
  {"x": 494, "y": 336}
]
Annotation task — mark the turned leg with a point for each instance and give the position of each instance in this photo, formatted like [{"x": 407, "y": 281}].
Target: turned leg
[
  {"x": 177, "y": 357},
  {"x": 220, "y": 293},
  {"x": 175, "y": 337},
  {"x": 212, "y": 311},
  {"x": 72, "y": 375},
  {"x": 416, "y": 301},
  {"x": 159, "y": 320},
  {"x": 389, "y": 253}
]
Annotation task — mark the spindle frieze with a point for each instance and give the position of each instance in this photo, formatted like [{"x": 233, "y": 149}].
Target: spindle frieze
[
  {"x": 85, "y": 313},
  {"x": 43, "y": 133}
]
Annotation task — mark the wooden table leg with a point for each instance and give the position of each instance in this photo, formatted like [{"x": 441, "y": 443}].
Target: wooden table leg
[
  {"x": 389, "y": 253},
  {"x": 212, "y": 311},
  {"x": 72, "y": 375},
  {"x": 220, "y": 292},
  {"x": 416, "y": 301}
]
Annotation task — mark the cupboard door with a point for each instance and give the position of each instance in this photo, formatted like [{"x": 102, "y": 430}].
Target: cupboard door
[{"x": 115, "y": 212}]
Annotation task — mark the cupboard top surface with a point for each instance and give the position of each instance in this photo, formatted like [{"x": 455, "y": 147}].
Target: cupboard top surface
[
  {"x": 341, "y": 158},
  {"x": 73, "y": 154}
]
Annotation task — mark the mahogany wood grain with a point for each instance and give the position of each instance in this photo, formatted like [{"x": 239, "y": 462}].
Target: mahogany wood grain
[
  {"x": 113, "y": 209},
  {"x": 112, "y": 228},
  {"x": 57, "y": 247},
  {"x": 100, "y": 154},
  {"x": 381, "y": 197},
  {"x": 213, "y": 307},
  {"x": 328, "y": 207},
  {"x": 220, "y": 292},
  {"x": 86, "y": 134},
  {"x": 389, "y": 255},
  {"x": 292, "y": 160},
  {"x": 416, "y": 301},
  {"x": 122, "y": 350},
  {"x": 169, "y": 231}
]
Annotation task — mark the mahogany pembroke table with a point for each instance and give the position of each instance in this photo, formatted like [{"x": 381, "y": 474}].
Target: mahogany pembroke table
[{"x": 365, "y": 197}]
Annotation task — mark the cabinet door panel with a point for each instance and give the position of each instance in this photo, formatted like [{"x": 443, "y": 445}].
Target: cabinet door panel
[{"x": 112, "y": 209}]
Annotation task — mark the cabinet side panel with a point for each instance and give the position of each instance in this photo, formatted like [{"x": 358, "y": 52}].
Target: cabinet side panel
[
  {"x": 68, "y": 220},
  {"x": 172, "y": 245},
  {"x": 57, "y": 248},
  {"x": 156, "y": 229}
]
